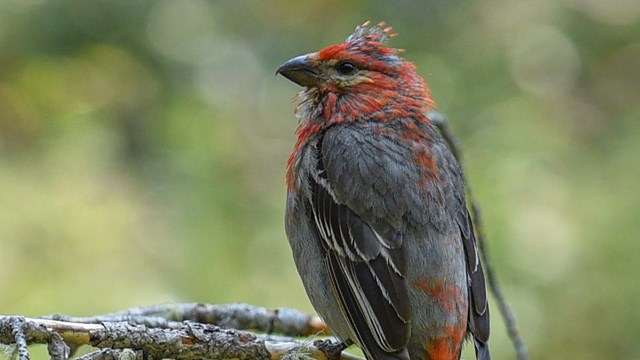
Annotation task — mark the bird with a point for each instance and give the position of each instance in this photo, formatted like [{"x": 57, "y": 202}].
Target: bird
[{"x": 376, "y": 213}]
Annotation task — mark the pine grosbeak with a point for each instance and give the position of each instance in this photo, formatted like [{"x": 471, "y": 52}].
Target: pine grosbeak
[{"x": 376, "y": 213}]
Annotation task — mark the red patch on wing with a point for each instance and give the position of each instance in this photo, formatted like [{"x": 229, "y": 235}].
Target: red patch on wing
[
  {"x": 427, "y": 161},
  {"x": 446, "y": 340},
  {"x": 447, "y": 346},
  {"x": 413, "y": 134},
  {"x": 448, "y": 296}
]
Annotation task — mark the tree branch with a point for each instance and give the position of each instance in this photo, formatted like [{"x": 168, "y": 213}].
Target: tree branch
[
  {"x": 505, "y": 310},
  {"x": 231, "y": 316},
  {"x": 189, "y": 340}
]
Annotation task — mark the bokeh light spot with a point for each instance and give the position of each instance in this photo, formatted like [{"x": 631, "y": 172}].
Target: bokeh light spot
[
  {"x": 544, "y": 60},
  {"x": 182, "y": 31}
]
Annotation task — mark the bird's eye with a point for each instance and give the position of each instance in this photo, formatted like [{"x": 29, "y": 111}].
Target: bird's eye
[{"x": 346, "y": 68}]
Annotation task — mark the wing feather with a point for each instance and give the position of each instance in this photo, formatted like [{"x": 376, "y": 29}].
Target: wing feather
[
  {"x": 478, "y": 305},
  {"x": 365, "y": 273}
]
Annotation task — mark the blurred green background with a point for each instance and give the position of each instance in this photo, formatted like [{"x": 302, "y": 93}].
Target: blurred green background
[{"x": 143, "y": 146}]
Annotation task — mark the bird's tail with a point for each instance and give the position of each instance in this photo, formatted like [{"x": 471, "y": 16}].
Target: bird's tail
[{"x": 482, "y": 350}]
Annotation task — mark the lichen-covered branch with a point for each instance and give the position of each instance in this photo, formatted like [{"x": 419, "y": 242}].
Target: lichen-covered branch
[
  {"x": 238, "y": 316},
  {"x": 123, "y": 340}
]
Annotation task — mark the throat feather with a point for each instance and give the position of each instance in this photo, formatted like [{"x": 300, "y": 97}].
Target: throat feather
[{"x": 370, "y": 106}]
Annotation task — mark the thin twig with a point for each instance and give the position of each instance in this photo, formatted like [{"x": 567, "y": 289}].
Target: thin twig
[{"x": 507, "y": 313}]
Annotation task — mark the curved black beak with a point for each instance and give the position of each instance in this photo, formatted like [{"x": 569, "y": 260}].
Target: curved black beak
[{"x": 299, "y": 70}]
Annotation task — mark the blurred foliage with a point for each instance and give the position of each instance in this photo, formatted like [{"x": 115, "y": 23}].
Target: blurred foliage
[{"x": 143, "y": 145}]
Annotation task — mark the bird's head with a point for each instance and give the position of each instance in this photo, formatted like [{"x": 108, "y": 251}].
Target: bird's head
[{"x": 361, "y": 70}]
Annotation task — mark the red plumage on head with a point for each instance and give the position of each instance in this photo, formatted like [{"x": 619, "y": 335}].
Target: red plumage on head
[
  {"x": 365, "y": 40},
  {"x": 385, "y": 88},
  {"x": 388, "y": 82},
  {"x": 372, "y": 35}
]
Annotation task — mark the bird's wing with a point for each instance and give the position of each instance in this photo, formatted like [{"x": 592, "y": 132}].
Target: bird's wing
[
  {"x": 366, "y": 268},
  {"x": 478, "y": 305}
]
